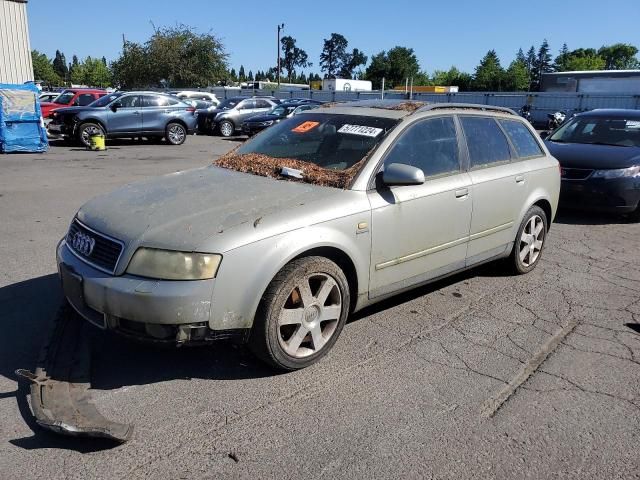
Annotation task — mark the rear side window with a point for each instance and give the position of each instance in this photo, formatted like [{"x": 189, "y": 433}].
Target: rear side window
[
  {"x": 262, "y": 104},
  {"x": 486, "y": 142},
  {"x": 521, "y": 138},
  {"x": 431, "y": 145}
]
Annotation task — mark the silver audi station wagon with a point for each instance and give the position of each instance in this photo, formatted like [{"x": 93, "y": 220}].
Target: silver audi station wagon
[{"x": 319, "y": 216}]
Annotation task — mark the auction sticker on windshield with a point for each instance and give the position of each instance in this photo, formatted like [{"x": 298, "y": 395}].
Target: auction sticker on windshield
[
  {"x": 305, "y": 127},
  {"x": 360, "y": 130}
]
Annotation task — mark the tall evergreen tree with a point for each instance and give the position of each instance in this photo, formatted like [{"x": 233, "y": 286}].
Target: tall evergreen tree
[
  {"x": 489, "y": 74},
  {"x": 561, "y": 61},
  {"x": 333, "y": 54},
  {"x": 542, "y": 64},
  {"x": 241, "y": 75},
  {"x": 250, "y": 76},
  {"x": 60, "y": 66}
]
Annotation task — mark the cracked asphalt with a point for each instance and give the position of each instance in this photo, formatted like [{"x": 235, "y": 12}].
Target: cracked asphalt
[{"x": 482, "y": 375}]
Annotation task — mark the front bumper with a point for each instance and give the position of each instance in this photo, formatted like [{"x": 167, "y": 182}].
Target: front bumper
[
  {"x": 620, "y": 195},
  {"x": 153, "y": 310},
  {"x": 252, "y": 128}
]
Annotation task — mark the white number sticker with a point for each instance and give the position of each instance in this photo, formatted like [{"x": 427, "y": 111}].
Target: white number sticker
[{"x": 360, "y": 130}]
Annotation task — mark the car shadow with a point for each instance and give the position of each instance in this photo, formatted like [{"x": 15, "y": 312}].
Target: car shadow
[{"x": 579, "y": 217}]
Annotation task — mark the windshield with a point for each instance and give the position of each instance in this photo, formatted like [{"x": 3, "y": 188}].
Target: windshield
[
  {"x": 64, "y": 98},
  {"x": 618, "y": 132},
  {"x": 281, "y": 110},
  {"x": 328, "y": 140},
  {"x": 105, "y": 100},
  {"x": 325, "y": 149},
  {"x": 229, "y": 103}
]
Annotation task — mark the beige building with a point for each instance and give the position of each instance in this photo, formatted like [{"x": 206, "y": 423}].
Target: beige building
[{"x": 15, "y": 50}]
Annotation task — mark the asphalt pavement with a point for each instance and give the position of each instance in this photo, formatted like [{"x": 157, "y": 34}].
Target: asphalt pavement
[{"x": 482, "y": 375}]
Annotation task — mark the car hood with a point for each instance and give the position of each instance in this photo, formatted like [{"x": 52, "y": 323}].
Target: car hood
[
  {"x": 73, "y": 110},
  {"x": 184, "y": 210},
  {"x": 580, "y": 155},
  {"x": 264, "y": 118}
]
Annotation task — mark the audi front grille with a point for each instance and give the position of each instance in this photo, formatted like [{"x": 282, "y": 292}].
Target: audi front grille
[{"x": 94, "y": 248}]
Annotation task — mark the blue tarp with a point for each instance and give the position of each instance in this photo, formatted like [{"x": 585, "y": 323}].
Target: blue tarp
[{"x": 21, "y": 125}]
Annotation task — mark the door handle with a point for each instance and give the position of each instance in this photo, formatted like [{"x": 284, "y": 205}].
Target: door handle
[
  {"x": 136, "y": 113},
  {"x": 462, "y": 193},
  {"x": 519, "y": 178}
]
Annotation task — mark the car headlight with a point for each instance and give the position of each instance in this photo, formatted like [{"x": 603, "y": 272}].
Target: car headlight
[
  {"x": 618, "y": 172},
  {"x": 171, "y": 265},
  {"x": 267, "y": 123}
]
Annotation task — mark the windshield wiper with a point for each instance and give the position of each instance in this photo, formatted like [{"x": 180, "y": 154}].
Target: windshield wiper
[{"x": 291, "y": 172}]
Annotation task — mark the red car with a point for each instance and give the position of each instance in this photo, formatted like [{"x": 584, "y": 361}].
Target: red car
[{"x": 72, "y": 97}]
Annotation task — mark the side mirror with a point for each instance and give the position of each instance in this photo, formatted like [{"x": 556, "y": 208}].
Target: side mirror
[
  {"x": 544, "y": 134},
  {"x": 76, "y": 102},
  {"x": 115, "y": 106},
  {"x": 401, "y": 174}
]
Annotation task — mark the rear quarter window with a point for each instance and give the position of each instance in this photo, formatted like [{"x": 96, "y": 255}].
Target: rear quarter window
[
  {"x": 522, "y": 139},
  {"x": 486, "y": 142}
]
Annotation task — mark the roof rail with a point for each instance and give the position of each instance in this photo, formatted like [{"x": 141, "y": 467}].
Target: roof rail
[{"x": 467, "y": 106}]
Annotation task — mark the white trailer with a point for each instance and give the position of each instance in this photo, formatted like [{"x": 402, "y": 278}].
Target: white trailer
[{"x": 346, "y": 85}]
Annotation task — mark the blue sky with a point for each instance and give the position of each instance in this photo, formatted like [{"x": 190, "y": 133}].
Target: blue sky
[{"x": 441, "y": 33}]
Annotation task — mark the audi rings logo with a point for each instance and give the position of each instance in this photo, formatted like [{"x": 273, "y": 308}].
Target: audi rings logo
[{"x": 83, "y": 243}]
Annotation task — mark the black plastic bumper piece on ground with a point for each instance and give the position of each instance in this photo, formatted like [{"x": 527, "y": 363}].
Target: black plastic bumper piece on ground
[{"x": 60, "y": 396}]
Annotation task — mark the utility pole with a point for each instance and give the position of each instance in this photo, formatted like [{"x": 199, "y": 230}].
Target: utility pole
[{"x": 280, "y": 27}]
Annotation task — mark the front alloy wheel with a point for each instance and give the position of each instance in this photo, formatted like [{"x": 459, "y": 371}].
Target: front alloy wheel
[
  {"x": 301, "y": 313},
  {"x": 87, "y": 130}
]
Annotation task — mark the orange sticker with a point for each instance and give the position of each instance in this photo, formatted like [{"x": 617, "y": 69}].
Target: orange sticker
[{"x": 305, "y": 127}]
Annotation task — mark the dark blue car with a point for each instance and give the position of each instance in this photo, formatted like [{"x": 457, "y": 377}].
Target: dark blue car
[
  {"x": 127, "y": 115},
  {"x": 599, "y": 155}
]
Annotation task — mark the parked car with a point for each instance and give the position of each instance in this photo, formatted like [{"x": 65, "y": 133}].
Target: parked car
[
  {"x": 127, "y": 114},
  {"x": 73, "y": 97},
  {"x": 599, "y": 153},
  {"x": 303, "y": 100},
  {"x": 198, "y": 104},
  {"x": 194, "y": 95},
  {"x": 255, "y": 124},
  {"x": 227, "y": 117},
  {"x": 48, "y": 96},
  {"x": 367, "y": 200}
]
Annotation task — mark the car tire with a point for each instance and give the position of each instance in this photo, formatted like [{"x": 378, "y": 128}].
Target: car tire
[
  {"x": 529, "y": 242},
  {"x": 86, "y": 130},
  {"x": 301, "y": 314},
  {"x": 175, "y": 133},
  {"x": 227, "y": 128}
]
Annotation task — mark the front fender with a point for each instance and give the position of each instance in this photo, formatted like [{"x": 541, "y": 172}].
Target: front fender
[{"x": 245, "y": 272}]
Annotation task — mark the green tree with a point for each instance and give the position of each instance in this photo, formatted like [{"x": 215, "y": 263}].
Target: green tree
[
  {"x": 60, "y": 66},
  {"x": 233, "y": 76},
  {"x": 395, "y": 66},
  {"x": 352, "y": 61},
  {"x": 132, "y": 69},
  {"x": 517, "y": 77},
  {"x": 620, "y": 56},
  {"x": 531, "y": 60},
  {"x": 176, "y": 56},
  {"x": 489, "y": 74},
  {"x": 561, "y": 61},
  {"x": 250, "y": 76},
  {"x": 542, "y": 64},
  {"x": 584, "y": 59},
  {"x": 43, "y": 68},
  {"x": 333, "y": 54},
  {"x": 95, "y": 73},
  {"x": 241, "y": 75},
  {"x": 292, "y": 56}
]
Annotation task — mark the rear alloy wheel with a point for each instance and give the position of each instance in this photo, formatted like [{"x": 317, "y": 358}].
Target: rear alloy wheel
[
  {"x": 301, "y": 314},
  {"x": 176, "y": 134},
  {"x": 226, "y": 128},
  {"x": 527, "y": 248},
  {"x": 87, "y": 130}
]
